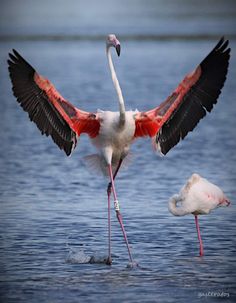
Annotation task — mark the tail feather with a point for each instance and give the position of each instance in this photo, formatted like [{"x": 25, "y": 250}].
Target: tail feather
[
  {"x": 93, "y": 163},
  {"x": 96, "y": 165}
]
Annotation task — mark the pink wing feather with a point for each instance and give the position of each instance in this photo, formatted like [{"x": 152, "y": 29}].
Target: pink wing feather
[
  {"x": 52, "y": 114},
  {"x": 182, "y": 110}
]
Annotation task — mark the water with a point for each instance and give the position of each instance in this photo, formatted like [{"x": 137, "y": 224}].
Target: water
[{"x": 53, "y": 210}]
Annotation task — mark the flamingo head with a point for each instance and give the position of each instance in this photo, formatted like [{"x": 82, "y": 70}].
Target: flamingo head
[{"x": 113, "y": 41}]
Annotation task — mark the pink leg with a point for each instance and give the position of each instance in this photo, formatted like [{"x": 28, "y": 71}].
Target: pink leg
[
  {"x": 199, "y": 236},
  {"x": 118, "y": 214},
  {"x": 114, "y": 176},
  {"x": 109, "y": 260}
]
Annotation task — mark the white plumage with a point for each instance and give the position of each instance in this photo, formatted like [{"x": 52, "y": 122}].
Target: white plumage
[
  {"x": 113, "y": 140},
  {"x": 198, "y": 197}
]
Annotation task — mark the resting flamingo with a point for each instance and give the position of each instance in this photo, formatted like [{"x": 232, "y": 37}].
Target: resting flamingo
[
  {"x": 197, "y": 197},
  {"x": 112, "y": 133}
]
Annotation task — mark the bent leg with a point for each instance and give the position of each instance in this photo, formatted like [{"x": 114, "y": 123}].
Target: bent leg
[
  {"x": 114, "y": 176},
  {"x": 118, "y": 214}
]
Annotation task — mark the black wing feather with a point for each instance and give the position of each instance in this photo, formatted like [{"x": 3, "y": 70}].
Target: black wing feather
[
  {"x": 35, "y": 101},
  {"x": 200, "y": 98}
]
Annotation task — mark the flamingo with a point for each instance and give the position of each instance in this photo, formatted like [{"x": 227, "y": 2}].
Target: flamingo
[
  {"x": 112, "y": 133},
  {"x": 197, "y": 197}
]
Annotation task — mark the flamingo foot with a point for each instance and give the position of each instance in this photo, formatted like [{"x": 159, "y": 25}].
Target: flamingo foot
[
  {"x": 108, "y": 261},
  {"x": 133, "y": 265}
]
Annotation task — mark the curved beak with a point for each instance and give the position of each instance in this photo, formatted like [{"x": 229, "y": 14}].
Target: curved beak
[{"x": 118, "y": 49}]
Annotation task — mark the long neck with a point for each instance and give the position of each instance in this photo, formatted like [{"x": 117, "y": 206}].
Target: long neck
[
  {"x": 176, "y": 211},
  {"x": 117, "y": 88}
]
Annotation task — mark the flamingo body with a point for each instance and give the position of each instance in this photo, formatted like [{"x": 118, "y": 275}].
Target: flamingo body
[
  {"x": 112, "y": 142},
  {"x": 198, "y": 197}
]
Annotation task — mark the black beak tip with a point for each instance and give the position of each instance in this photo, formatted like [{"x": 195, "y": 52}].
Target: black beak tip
[{"x": 118, "y": 49}]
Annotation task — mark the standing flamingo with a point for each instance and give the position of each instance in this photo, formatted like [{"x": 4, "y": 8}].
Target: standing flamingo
[
  {"x": 113, "y": 132},
  {"x": 197, "y": 197}
]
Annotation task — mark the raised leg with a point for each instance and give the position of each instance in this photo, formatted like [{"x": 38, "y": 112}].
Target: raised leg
[
  {"x": 199, "y": 236},
  {"x": 109, "y": 260},
  {"x": 114, "y": 176},
  {"x": 118, "y": 214}
]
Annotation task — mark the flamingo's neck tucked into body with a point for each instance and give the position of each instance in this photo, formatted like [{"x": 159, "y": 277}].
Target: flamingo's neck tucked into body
[
  {"x": 117, "y": 88},
  {"x": 177, "y": 211}
]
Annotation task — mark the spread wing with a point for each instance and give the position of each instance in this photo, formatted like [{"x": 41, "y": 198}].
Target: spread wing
[
  {"x": 194, "y": 96},
  {"x": 53, "y": 115}
]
